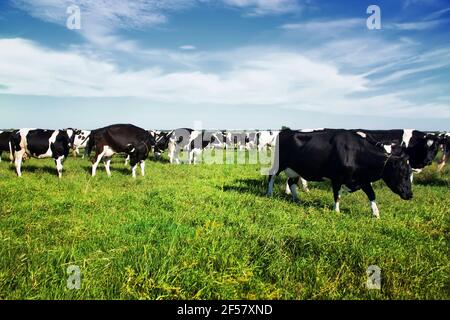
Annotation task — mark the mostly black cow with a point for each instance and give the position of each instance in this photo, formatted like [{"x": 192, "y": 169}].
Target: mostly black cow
[
  {"x": 342, "y": 156},
  {"x": 120, "y": 138}
]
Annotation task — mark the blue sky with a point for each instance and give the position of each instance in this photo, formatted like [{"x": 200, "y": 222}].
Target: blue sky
[{"x": 227, "y": 63}]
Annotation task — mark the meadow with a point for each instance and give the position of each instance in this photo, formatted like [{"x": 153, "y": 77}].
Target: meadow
[{"x": 209, "y": 232}]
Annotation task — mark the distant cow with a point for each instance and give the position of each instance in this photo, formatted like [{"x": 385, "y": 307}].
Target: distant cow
[
  {"x": 342, "y": 156},
  {"x": 191, "y": 141},
  {"x": 39, "y": 143},
  {"x": 445, "y": 145},
  {"x": 5, "y": 144},
  {"x": 120, "y": 138}
]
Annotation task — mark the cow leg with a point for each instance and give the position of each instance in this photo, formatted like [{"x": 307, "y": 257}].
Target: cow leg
[
  {"x": 133, "y": 170},
  {"x": 127, "y": 160},
  {"x": 336, "y": 195},
  {"x": 367, "y": 188},
  {"x": 59, "y": 166},
  {"x": 292, "y": 183},
  {"x": 11, "y": 154},
  {"x": 97, "y": 159},
  {"x": 18, "y": 156},
  {"x": 107, "y": 163},
  {"x": 271, "y": 182},
  {"x": 442, "y": 162},
  {"x": 143, "y": 168},
  {"x": 304, "y": 185}
]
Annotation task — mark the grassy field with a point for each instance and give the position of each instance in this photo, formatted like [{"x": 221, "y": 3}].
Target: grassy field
[{"x": 209, "y": 232}]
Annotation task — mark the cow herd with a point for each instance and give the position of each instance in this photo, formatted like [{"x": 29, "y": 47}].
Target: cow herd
[{"x": 350, "y": 159}]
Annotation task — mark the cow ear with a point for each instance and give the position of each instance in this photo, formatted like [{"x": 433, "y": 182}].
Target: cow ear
[{"x": 131, "y": 148}]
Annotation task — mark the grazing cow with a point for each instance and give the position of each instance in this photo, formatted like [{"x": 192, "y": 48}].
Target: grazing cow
[
  {"x": 191, "y": 141},
  {"x": 445, "y": 145},
  {"x": 120, "y": 138},
  {"x": 342, "y": 156},
  {"x": 162, "y": 139},
  {"x": 39, "y": 143},
  {"x": 5, "y": 144},
  {"x": 421, "y": 147},
  {"x": 80, "y": 141}
]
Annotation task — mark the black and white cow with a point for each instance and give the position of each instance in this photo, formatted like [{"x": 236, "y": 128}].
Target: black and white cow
[
  {"x": 193, "y": 142},
  {"x": 266, "y": 139},
  {"x": 445, "y": 146},
  {"x": 342, "y": 156},
  {"x": 80, "y": 141},
  {"x": 120, "y": 138},
  {"x": 421, "y": 147},
  {"x": 40, "y": 143},
  {"x": 5, "y": 144}
]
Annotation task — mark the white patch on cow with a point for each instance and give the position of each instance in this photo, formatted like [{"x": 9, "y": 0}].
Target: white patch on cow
[
  {"x": 336, "y": 206},
  {"x": 417, "y": 170},
  {"x": 304, "y": 184},
  {"x": 430, "y": 143},
  {"x": 133, "y": 170},
  {"x": 311, "y": 130},
  {"x": 375, "y": 211},
  {"x": 388, "y": 148},
  {"x": 143, "y": 168},
  {"x": 288, "y": 189},
  {"x": 407, "y": 135},
  {"x": 23, "y": 137},
  {"x": 362, "y": 134},
  {"x": 108, "y": 151},
  {"x": 59, "y": 166},
  {"x": 49, "y": 152}
]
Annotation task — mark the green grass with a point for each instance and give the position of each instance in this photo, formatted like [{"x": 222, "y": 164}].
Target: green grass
[{"x": 208, "y": 232}]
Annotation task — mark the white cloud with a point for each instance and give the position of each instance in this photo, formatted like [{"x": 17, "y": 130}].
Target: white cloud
[
  {"x": 329, "y": 26},
  {"x": 252, "y": 76},
  {"x": 264, "y": 7},
  {"x": 416, "y": 26},
  {"x": 188, "y": 47}
]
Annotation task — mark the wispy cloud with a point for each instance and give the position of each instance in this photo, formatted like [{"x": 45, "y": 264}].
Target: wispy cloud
[
  {"x": 417, "y": 26},
  {"x": 265, "y": 7},
  {"x": 188, "y": 47},
  {"x": 253, "y": 76}
]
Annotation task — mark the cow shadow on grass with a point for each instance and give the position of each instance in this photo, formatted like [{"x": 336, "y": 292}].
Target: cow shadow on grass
[
  {"x": 258, "y": 187},
  {"x": 432, "y": 181},
  {"x": 36, "y": 169},
  {"x": 125, "y": 171}
]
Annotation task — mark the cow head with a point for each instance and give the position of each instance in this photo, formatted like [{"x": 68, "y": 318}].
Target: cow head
[
  {"x": 423, "y": 150},
  {"x": 397, "y": 174},
  {"x": 162, "y": 143},
  {"x": 71, "y": 134}
]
